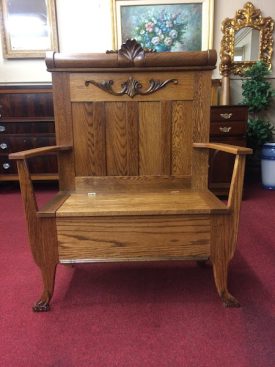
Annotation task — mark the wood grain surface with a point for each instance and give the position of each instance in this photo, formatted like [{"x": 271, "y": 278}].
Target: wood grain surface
[
  {"x": 155, "y": 203},
  {"x": 80, "y": 92},
  {"x": 133, "y": 138},
  {"x": 136, "y": 184},
  {"x": 128, "y": 238}
]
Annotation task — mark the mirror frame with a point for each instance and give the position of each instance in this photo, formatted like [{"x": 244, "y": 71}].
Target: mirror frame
[
  {"x": 252, "y": 17},
  {"x": 11, "y": 53}
]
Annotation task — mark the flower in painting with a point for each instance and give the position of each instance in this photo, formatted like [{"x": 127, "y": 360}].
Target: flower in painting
[
  {"x": 157, "y": 30},
  {"x": 149, "y": 27},
  {"x": 155, "y": 41},
  {"x": 173, "y": 34},
  {"x": 168, "y": 41},
  {"x": 160, "y": 30}
]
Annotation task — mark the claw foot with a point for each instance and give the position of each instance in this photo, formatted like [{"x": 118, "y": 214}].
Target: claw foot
[
  {"x": 230, "y": 301},
  {"x": 41, "y": 306}
]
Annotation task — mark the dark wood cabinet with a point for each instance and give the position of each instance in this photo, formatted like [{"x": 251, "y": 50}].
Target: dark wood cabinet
[
  {"x": 26, "y": 122},
  {"x": 228, "y": 125}
]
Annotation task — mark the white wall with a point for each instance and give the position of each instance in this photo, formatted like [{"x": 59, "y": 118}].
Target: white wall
[
  {"x": 83, "y": 26},
  {"x": 86, "y": 26}
]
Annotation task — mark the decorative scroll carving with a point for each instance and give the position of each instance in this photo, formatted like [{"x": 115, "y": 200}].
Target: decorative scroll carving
[
  {"x": 131, "y": 87},
  {"x": 249, "y": 16}
]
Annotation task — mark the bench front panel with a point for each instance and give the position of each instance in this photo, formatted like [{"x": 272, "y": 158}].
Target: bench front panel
[{"x": 133, "y": 238}]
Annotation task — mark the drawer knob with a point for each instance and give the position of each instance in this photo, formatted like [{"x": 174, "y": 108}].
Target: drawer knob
[
  {"x": 226, "y": 116},
  {"x": 225, "y": 129},
  {"x": 6, "y": 165},
  {"x": 3, "y": 146},
  {"x": 2, "y": 128}
]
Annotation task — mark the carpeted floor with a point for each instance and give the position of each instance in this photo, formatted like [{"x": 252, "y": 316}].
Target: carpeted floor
[{"x": 140, "y": 315}]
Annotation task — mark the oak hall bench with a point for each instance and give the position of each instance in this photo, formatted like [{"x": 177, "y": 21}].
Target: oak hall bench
[{"x": 132, "y": 131}]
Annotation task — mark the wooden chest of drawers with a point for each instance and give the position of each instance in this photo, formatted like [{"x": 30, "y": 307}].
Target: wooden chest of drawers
[
  {"x": 26, "y": 121},
  {"x": 228, "y": 125}
]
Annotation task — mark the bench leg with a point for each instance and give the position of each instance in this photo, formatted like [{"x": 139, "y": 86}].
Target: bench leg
[
  {"x": 220, "y": 270},
  {"x": 223, "y": 244},
  {"x": 42, "y": 237},
  {"x": 48, "y": 275},
  {"x": 46, "y": 256}
]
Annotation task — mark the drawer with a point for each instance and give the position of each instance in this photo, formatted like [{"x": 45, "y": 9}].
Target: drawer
[
  {"x": 229, "y": 113},
  {"x": 26, "y": 105},
  {"x": 38, "y": 165},
  {"x": 15, "y": 143},
  {"x": 233, "y": 128},
  {"x": 26, "y": 127}
]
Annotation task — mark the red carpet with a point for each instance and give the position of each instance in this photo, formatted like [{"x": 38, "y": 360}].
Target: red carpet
[{"x": 140, "y": 315}]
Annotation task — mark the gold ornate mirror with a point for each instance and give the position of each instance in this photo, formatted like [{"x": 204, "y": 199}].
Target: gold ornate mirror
[{"x": 247, "y": 38}]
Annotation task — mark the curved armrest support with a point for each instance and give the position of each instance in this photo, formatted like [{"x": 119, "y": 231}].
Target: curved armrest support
[
  {"x": 236, "y": 185},
  {"x": 39, "y": 151},
  {"x": 232, "y": 149},
  {"x": 25, "y": 180}
]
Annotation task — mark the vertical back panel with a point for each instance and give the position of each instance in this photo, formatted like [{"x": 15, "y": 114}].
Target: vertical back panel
[
  {"x": 132, "y": 138},
  {"x": 89, "y": 138},
  {"x": 122, "y": 138},
  {"x": 149, "y": 138},
  {"x": 201, "y": 118},
  {"x": 165, "y": 137},
  {"x": 116, "y": 138},
  {"x": 182, "y": 131}
]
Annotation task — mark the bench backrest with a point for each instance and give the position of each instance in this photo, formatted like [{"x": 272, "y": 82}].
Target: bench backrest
[{"x": 132, "y": 113}]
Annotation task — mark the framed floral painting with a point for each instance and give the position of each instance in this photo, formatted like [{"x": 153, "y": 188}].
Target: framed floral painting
[{"x": 162, "y": 25}]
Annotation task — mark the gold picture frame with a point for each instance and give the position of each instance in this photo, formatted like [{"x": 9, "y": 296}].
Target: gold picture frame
[
  {"x": 247, "y": 18},
  {"x": 29, "y": 29},
  {"x": 187, "y": 33}
]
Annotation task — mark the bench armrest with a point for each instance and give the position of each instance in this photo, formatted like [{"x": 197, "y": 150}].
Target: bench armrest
[
  {"x": 39, "y": 151},
  {"x": 28, "y": 195},
  {"x": 236, "y": 185},
  {"x": 233, "y": 149}
]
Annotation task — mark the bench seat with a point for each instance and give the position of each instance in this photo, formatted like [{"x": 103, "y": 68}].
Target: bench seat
[{"x": 145, "y": 203}]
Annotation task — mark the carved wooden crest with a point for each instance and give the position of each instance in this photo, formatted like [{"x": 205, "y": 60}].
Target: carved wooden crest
[{"x": 131, "y": 50}]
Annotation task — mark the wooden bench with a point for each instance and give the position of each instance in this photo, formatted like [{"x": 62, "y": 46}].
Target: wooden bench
[{"x": 132, "y": 130}]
